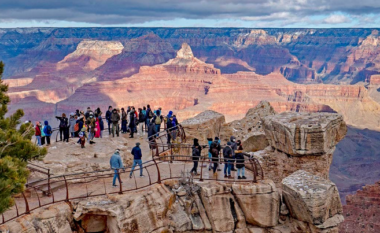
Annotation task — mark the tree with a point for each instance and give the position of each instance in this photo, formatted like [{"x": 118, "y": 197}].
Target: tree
[{"x": 16, "y": 148}]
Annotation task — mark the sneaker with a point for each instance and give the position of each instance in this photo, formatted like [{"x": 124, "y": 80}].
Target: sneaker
[
  {"x": 244, "y": 177},
  {"x": 239, "y": 178}
]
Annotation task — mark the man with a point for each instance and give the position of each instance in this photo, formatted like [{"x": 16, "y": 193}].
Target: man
[
  {"x": 234, "y": 148},
  {"x": 123, "y": 121},
  {"x": 227, "y": 154},
  {"x": 87, "y": 115},
  {"x": 157, "y": 119},
  {"x": 136, "y": 152},
  {"x": 196, "y": 154},
  {"x": 90, "y": 121},
  {"x": 108, "y": 118},
  {"x": 149, "y": 114},
  {"x": 151, "y": 133},
  {"x": 132, "y": 122},
  {"x": 115, "y": 118},
  {"x": 169, "y": 129},
  {"x": 116, "y": 164},
  {"x": 215, "y": 150}
]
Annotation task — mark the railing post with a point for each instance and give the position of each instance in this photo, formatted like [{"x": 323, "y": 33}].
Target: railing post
[
  {"x": 158, "y": 172},
  {"x": 27, "y": 211},
  {"x": 49, "y": 190},
  {"x": 67, "y": 189},
  {"x": 201, "y": 178}
]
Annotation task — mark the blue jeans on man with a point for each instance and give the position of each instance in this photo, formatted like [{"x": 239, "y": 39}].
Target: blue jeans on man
[
  {"x": 115, "y": 176},
  {"x": 158, "y": 130},
  {"x": 227, "y": 168},
  {"x": 136, "y": 162},
  {"x": 124, "y": 126}
]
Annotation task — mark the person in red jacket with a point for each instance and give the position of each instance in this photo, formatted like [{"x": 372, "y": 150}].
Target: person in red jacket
[{"x": 38, "y": 133}]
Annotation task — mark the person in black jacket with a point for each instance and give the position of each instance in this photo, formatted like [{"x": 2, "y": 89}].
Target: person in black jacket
[
  {"x": 151, "y": 133},
  {"x": 63, "y": 127},
  {"x": 227, "y": 154},
  {"x": 108, "y": 118},
  {"x": 132, "y": 122},
  {"x": 197, "y": 149},
  {"x": 141, "y": 123},
  {"x": 239, "y": 156},
  {"x": 215, "y": 149}
]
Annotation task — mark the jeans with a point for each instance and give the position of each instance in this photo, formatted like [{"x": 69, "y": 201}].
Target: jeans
[
  {"x": 115, "y": 176},
  {"x": 227, "y": 168},
  {"x": 158, "y": 129},
  {"x": 215, "y": 166},
  {"x": 242, "y": 171},
  {"x": 109, "y": 127},
  {"x": 38, "y": 140},
  {"x": 135, "y": 162},
  {"x": 147, "y": 123},
  {"x": 124, "y": 126},
  {"x": 115, "y": 127},
  {"x": 195, "y": 167},
  {"x": 90, "y": 135},
  {"x": 140, "y": 132}
]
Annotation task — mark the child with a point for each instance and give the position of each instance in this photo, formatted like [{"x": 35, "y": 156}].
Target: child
[{"x": 82, "y": 137}]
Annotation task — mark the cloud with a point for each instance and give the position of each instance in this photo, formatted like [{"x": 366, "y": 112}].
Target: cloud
[
  {"x": 336, "y": 19},
  {"x": 138, "y": 12}
]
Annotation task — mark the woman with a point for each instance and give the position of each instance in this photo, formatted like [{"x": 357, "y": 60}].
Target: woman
[
  {"x": 141, "y": 123},
  {"x": 197, "y": 149},
  {"x": 63, "y": 127},
  {"x": 42, "y": 135},
  {"x": 101, "y": 124},
  {"x": 123, "y": 121},
  {"x": 38, "y": 133},
  {"x": 239, "y": 156},
  {"x": 72, "y": 123},
  {"x": 97, "y": 127}
]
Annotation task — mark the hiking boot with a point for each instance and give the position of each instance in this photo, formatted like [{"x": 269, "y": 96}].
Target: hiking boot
[
  {"x": 244, "y": 177},
  {"x": 225, "y": 176},
  {"x": 230, "y": 177},
  {"x": 239, "y": 178}
]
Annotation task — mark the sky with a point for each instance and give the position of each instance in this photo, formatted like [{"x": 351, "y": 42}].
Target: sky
[{"x": 194, "y": 13}]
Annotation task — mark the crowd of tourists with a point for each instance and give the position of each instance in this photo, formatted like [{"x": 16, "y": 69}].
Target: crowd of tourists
[
  {"x": 89, "y": 125},
  {"x": 232, "y": 157}
]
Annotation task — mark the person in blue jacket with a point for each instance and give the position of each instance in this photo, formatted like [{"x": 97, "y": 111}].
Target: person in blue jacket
[
  {"x": 116, "y": 163},
  {"x": 136, "y": 152},
  {"x": 47, "y": 131}
]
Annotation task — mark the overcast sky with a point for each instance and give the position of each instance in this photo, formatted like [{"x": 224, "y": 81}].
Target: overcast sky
[{"x": 194, "y": 13}]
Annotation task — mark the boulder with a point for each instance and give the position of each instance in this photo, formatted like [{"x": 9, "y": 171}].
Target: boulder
[
  {"x": 299, "y": 134},
  {"x": 54, "y": 218},
  {"x": 312, "y": 199},
  {"x": 260, "y": 202},
  {"x": 205, "y": 125},
  {"x": 222, "y": 209}
]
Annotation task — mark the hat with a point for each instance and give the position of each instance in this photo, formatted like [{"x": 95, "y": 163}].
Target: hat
[
  {"x": 137, "y": 144},
  {"x": 216, "y": 138},
  {"x": 117, "y": 151},
  {"x": 229, "y": 143}
]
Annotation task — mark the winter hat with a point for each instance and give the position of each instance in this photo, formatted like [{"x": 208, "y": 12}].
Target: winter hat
[
  {"x": 137, "y": 144},
  {"x": 170, "y": 113},
  {"x": 216, "y": 139},
  {"x": 117, "y": 151},
  {"x": 196, "y": 142},
  {"x": 158, "y": 112},
  {"x": 229, "y": 143},
  {"x": 46, "y": 122}
]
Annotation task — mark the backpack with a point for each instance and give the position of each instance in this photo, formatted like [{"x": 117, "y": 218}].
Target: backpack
[
  {"x": 76, "y": 127},
  {"x": 63, "y": 124},
  {"x": 214, "y": 151},
  {"x": 150, "y": 114},
  {"x": 48, "y": 129},
  {"x": 158, "y": 120}
]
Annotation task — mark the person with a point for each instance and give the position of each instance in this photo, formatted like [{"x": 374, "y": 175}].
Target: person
[
  {"x": 167, "y": 117},
  {"x": 145, "y": 123},
  {"x": 123, "y": 121},
  {"x": 196, "y": 154},
  {"x": 48, "y": 131},
  {"x": 209, "y": 142},
  {"x": 239, "y": 145},
  {"x": 63, "y": 127},
  {"x": 149, "y": 114},
  {"x": 141, "y": 123},
  {"x": 115, "y": 118},
  {"x": 157, "y": 121},
  {"x": 234, "y": 148},
  {"x": 82, "y": 137},
  {"x": 97, "y": 127},
  {"x": 108, "y": 118},
  {"x": 132, "y": 122},
  {"x": 42, "y": 135},
  {"x": 72, "y": 122},
  {"x": 227, "y": 154},
  {"x": 215, "y": 150},
  {"x": 38, "y": 133},
  {"x": 77, "y": 113},
  {"x": 116, "y": 163},
  {"x": 240, "y": 164},
  {"x": 169, "y": 129},
  {"x": 88, "y": 112},
  {"x": 151, "y": 133},
  {"x": 91, "y": 127},
  {"x": 101, "y": 124},
  {"x": 136, "y": 152},
  {"x": 175, "y": 127}
]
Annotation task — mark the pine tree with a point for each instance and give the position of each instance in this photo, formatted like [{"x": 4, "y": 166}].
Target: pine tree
[{"x": 16, "y": 148}]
